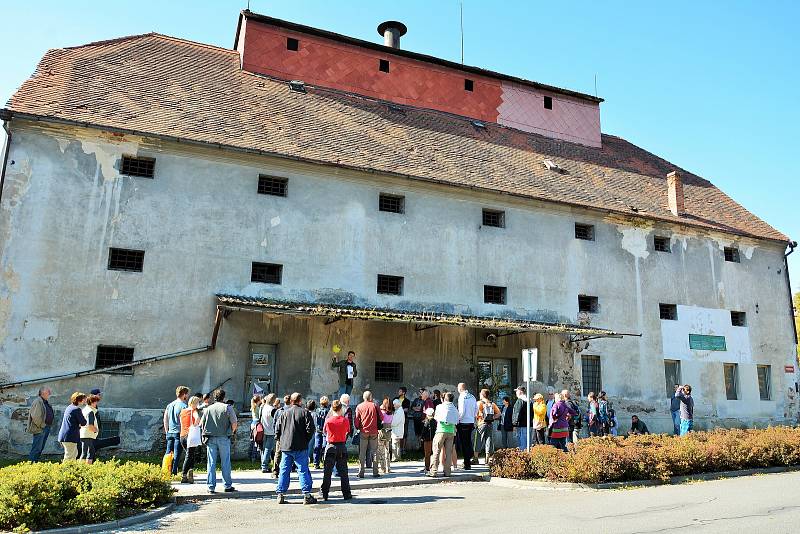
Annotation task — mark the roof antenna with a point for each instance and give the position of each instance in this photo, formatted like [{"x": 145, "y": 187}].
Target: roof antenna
[
  {"x": 461, "y": 4},
  {"x": 595, "y": 85}
]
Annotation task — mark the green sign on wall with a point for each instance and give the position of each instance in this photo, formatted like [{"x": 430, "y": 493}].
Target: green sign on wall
[{"x": 701, "y": 342}]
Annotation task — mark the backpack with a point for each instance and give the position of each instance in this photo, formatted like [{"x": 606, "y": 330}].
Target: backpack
[
  {"x": 321, "y": 415},
  {"x": 258, "y": 433}
]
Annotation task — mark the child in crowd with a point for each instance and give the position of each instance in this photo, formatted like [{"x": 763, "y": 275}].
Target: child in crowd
[{"x": 428, "y": 431}]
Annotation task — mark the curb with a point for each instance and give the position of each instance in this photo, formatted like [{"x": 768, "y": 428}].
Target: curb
[
  {"x": 335, "y": 487},
  {"x": 113, "y": 525},
  {"x": 548, "y": 485}
]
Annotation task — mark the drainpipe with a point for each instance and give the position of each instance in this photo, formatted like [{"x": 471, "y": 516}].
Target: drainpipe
[
  {"x": 5, "y": 156},
  {"x": 791, "y": 245}
]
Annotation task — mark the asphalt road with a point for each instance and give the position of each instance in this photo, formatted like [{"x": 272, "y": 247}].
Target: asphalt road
[{"x": 767, "y": 503}]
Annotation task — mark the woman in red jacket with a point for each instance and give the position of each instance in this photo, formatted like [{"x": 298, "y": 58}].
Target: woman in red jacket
[{"x": 337, "y": 426}]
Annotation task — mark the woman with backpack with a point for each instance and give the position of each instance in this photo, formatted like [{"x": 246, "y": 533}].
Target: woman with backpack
[
  {"x": 486, "y": 414},
  {"x": 319, "y": 437},
  {"x": 606, "y": 417},
  {"x": 255, "y": 415},
  {"x": 593, "y": 416},
  {"x": 267, "y": 420}
]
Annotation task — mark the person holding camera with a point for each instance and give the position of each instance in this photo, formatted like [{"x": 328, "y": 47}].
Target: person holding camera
[{"x": 487, "y": 413}]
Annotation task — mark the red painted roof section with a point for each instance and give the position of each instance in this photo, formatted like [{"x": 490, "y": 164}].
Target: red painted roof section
[{"x": 163, "y": 86}]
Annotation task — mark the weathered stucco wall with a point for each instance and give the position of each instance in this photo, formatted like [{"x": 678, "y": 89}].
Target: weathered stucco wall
[{"x": 202, "y": 223}]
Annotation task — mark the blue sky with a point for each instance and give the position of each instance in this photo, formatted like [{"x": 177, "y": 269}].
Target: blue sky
[{"x": 711, "y": 86}]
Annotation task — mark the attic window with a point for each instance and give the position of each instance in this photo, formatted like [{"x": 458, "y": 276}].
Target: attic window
[
  {"x": 668, "y": 312},
  {"x": 661, "y": 244},
  {"x": 383, "y": 66},
  {"x": 587, "y": 304},
  {"x": 292, "y": 44},
  {"x": 548, "y": 102},
  {"x": 732, "y": 254},
  {"x": 468, "y": 84},
  {"x": 738, "y": 318},
  {"x": 496, "y": 218},
  {"x": 584, "y": 231},
  {"x": 297, "y": 85},
  {"x": 142, "y": 167}
]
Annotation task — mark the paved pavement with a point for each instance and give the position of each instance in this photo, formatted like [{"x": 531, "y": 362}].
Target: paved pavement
[
  {"x": 257, "y": 484},
  {"x": 766, "y": 503}
]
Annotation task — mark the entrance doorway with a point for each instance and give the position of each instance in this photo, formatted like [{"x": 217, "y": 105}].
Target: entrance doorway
[
  {"x": 496, "y": 374},
  {"x": 260, "y": 376}
]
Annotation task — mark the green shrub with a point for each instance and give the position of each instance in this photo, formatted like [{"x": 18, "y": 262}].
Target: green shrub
[
  {"x": 653, "y": 456},
  {"x": 48, "y": 495}
]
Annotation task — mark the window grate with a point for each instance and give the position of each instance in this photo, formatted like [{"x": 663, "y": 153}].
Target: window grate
[
  {"x": 661, "y": 244},
  {"x": 272, "y": 185},
  {"x": 123, "y": 259},
  {"x": 764, "y": 379},
  {"x": 108, "y": 428},
  {"x": 383, "y": 65},
  {"x": 110, "y": 355},
  {"x": 292, "y": 44},
  {"x": 142, "y": 167},
  {"x": 390, "y": 285},
  {"x": 266, "y": 273},
  {"x": 548, "y": 102},
  {"x": 738, "y": 318},
  {"x": 587, "y": 303},
  {"x": 672, "y": 375},
  {"x": 668, "y": 312},
  {"x": 468, "y": 84},
  {"x": 494, "y": 295},
  {"x": 731, "y": 371},
  {"x": 392, "y": 203},
  {"x": 731, "y": 254},
  {"x": 494, "y": 218},
  {"x": 590, "y": 373},
  {"x": 584, "y": 231},
  {"x": 388, "y": 372}
]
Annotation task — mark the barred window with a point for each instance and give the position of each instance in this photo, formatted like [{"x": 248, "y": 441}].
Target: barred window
[
  {"x": 392, "y": 203},
  {"x": 590, "y": 373},
  {"x": 764, "y": 386},
  {"x": 672, "y": 375},
  {"x": 496, "y": 218},
  {"x": 661, "y": 244},
  {"x": 390, "y": 285},
  {"x": 388, "y": 372},
  {"x": 266, "y": 273},
  {"x": 108, "y": 428},
  {"x": 138, "y": 166},
  {"x": 668, "y": 312},
  {"x": 494, "y": 295},
  {"x": 272, "y": 185},
  {"x": 587, "y": 303},
  {"x": 731, "y": 373},
  {"x": 123, "y": 259},
  {"x": 584, "y": 231},
  {"x": 110, "y": 355},
  {"x": 731, "y": 254}
]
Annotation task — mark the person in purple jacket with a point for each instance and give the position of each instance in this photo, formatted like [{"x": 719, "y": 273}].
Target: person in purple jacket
[{"x": 560, "y": 415}]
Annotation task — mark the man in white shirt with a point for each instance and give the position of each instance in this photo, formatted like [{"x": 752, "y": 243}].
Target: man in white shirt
[{"x": 467, "y": 407}]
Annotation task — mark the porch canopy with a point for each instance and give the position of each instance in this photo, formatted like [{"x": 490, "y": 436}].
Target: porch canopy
[{"x": 422, "y": 319}]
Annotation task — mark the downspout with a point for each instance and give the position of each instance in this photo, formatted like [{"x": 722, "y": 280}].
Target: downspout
[
  {"x": 5, "y": 157},
  {"x": 792, "y": 245}
]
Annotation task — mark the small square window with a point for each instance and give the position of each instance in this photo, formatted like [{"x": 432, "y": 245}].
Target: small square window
[
  {"x": 494, "y": 295},
  {"x": 266, "y": 273},
  {"x": 141, "y": 167},
  {"x": 584, "y": 231},
  {"x": 587, "y": 303},
  {"x": 272, "y": 185},
  {"x": 292, "y": 44},
  {"x": 111, "y": 355},
  {"x": 764, "y": 385},
  {"x": 738, "y": 318},
  {"x": 383, "y": 65},
  {"x": 732, "y": 254},
  {"x": 123, "y": 259},
  {"x": 392, "y": 203},
  {"x": 390, "y": 285},
  {"x": 661, "y": 244},
  {"x": 468, "y": 84},
  {"x": 548, "y": 102},
  {"x": 496, "y": 218},
  {"x": 388, "y": 371},
  {"x": 668, "y": 312},
  {"x": 731, "y": 372}
]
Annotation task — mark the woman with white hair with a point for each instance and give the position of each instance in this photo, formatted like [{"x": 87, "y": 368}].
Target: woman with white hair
[{"x": 398, "y": 428}]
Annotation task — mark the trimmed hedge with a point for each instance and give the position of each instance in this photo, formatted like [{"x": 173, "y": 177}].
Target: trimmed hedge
[
  {"x": 36, "y": 496},
  {"x": 652, "y": 456}
]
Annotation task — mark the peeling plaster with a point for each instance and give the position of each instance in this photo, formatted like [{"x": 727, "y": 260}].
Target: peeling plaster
[{"x": 634, "y": 240}]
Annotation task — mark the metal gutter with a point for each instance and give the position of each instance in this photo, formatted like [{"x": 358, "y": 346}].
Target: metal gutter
[
  {"x": 76, "y": 374},
  {"x": 5, "y": 154},
  {"x": 6, "y": 114},
  {"x": 791, "y": 245}
]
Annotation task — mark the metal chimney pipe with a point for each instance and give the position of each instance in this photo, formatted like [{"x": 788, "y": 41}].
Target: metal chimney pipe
[{"x": 392, "y": 30}]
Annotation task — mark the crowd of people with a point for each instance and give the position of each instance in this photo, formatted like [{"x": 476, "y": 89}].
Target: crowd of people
[{"x": 289, "y": 434}]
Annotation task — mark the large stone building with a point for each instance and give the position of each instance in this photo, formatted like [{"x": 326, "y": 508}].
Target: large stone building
[{"x": 179, "y": 213}]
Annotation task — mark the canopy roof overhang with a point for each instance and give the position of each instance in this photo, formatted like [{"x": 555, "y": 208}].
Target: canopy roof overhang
[{"x": 423, "y": 319}]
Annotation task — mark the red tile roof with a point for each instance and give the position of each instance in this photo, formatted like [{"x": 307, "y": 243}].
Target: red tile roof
[{"x": 162, "y": 86}]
